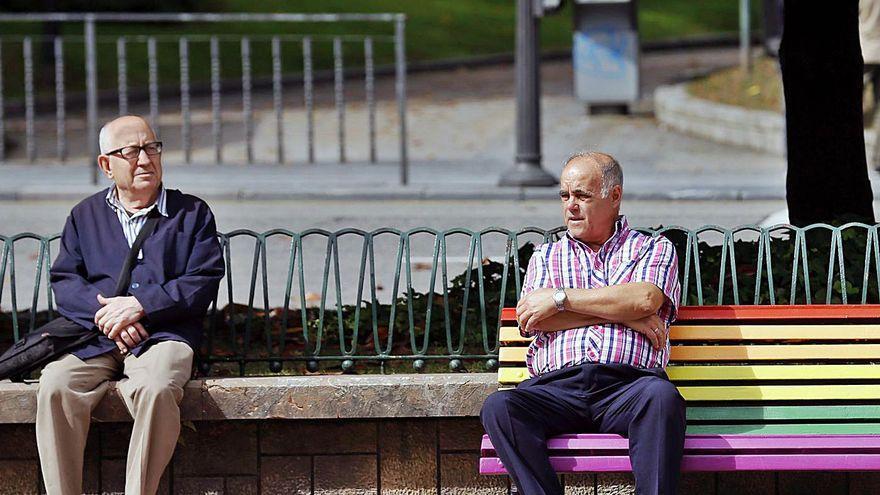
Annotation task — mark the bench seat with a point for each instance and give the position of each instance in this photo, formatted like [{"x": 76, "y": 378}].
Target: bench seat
[
  {"x": 738, "y": 452},
  {"x": 768, "y": 388}
]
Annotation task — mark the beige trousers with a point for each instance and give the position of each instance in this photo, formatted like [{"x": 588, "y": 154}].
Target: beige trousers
[{"x": 152, "y": 387}]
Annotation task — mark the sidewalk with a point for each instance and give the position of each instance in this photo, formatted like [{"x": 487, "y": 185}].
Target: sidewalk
[{"x": 459, "y": 150}]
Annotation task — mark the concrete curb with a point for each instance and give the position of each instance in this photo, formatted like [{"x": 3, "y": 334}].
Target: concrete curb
[
  {"x": 759, "y": 130},
  {"x": 295, "y": 397}
]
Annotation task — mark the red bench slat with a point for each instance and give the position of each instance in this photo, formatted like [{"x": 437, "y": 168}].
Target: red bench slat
[
  {"x": 769, "y": 312},
  {"x": 763, "y": 312}
]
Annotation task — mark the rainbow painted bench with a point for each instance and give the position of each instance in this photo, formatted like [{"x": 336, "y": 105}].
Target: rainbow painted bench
[{"x": 768, "y": 388}]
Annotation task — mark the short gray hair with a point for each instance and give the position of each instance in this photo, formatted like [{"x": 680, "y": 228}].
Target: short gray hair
[
  {"x": 103, "y": 140},
  {"x": 612, "y": 173}
]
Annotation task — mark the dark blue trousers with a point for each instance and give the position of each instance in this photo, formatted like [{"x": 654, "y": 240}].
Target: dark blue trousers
[{"x": 639, "y": 404}]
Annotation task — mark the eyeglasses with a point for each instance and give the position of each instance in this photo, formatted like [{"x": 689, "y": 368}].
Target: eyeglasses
[{"x": 132, "y": 152}]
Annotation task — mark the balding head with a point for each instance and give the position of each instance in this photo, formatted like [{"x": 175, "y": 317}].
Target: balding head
[
  {"x": 107, "y": 137},
  {"x": 125, "y": 158},
  {"x": 590, "y": 188},
  {"x": 609, "y": 168}
]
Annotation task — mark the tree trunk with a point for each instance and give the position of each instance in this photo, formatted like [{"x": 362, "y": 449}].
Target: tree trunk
[{"x": 821, "y": 61}]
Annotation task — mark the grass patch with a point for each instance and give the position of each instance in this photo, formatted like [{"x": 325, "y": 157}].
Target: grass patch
[
  {"x": 436, "y": 29},
  {"x": 760, "y": 89}
]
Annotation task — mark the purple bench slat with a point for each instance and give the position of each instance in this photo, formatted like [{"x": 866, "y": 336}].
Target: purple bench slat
[
  {"x": 814, "y": 443},
  {"x": 695, "y": 463}
]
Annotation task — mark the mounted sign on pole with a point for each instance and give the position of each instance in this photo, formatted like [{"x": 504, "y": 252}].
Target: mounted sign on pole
[{"x": 605, "y": 52}]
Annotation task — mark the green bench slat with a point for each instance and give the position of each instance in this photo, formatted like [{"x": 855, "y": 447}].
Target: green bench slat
[
  {"x": 787, "y": 429},
  {"x": 770, "y": 413}
]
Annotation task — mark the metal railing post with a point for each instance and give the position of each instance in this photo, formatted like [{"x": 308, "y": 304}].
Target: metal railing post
[
  {"x": 91, "y": 95},
  {"x": 339, "y": 96},
  {"x": 186, "y": 137},
  {"x": 122, "y": 75},
  {"x": 278, "y": 97},
  {"x": 2, "y": 114},
  {"x": 745, "y": 41},
  {"x": 400, "y": 90},
  {"x": 216, "y": 116},
  {"x": 246, "y": 102},
  {"x": 153, "y": 71},
  {"x": 369, "y": 89},
  {"x": 28, "y": 54},
  {"x": 308, "y": 98},
  {"x": 60, "y": 117}
]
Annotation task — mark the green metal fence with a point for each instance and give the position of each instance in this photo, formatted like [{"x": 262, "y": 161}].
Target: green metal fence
[{"x": 393, "y": 301}]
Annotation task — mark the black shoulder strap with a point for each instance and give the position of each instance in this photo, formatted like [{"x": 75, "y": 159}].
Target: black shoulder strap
[{"x": 146, "y": 231}]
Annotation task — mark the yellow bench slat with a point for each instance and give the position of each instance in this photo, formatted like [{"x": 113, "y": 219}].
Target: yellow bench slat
[
  {"x": 780, "y": 392},
  {"x": 774, "y": 352},
  {"x": 511, "y": 334},
  {"x": 775, "y": 372},
  {"x": 746, "y": 332},
  {"x": 512, "y": 375},
  {"x": 512, "y": 354},
  {"x": 774, "y": 332},
  {"x": 743, "y": 352},
  {"x": 760, "y": 372}
]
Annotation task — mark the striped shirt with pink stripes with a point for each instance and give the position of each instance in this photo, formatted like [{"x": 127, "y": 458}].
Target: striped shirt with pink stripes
[{"x": 628, "y": 256}]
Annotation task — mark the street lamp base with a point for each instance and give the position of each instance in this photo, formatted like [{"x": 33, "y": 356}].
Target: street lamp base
[{"x": 525, "y": 174}]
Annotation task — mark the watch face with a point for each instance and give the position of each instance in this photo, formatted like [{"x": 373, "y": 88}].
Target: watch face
[{"x": 559, "y": 297}]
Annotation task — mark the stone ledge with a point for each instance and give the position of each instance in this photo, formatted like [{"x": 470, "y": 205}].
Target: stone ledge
[
  {"x": 295, "y": 397},
  {"x": 760, "y": 130}
]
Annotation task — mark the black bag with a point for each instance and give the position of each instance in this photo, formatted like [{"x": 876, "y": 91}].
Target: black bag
[
  {"x": 62, "y": 335},
  {"x": 42, "y": 346}
]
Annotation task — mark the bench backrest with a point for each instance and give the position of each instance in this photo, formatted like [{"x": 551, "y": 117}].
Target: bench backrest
[{"x": 762, "y": 369}]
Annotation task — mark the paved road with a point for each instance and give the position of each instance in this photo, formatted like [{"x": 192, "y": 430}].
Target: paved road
[{"x": 45, "y": 217}]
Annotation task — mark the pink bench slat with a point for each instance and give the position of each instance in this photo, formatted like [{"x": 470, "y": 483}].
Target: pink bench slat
[
  {"x": 598, "y": 441},
  {"x": 695, "y": 463}
]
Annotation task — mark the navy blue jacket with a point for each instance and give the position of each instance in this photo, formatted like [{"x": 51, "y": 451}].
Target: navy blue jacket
[{"x": 175, "y": 282}]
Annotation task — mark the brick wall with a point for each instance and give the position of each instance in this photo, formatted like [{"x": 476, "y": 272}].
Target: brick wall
[{"x": 322, "y": 457}]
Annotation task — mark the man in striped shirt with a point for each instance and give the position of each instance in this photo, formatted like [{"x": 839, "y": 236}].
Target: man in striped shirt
[{"x": 599, "y": 303}]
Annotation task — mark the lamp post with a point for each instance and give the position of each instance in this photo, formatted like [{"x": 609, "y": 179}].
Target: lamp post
[{"x": 527, "y": 170}]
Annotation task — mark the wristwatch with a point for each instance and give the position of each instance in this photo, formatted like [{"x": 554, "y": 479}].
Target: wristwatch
[{"x": 559, "y": 298}]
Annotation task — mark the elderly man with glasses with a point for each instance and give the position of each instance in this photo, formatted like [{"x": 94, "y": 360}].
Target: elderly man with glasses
[{"x": 144, "y": 333}]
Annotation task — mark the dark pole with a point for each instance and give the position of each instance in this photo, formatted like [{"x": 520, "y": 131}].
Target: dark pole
[
  {"x": 527, "y": 170},
  {"x": 821, "y": 63}
]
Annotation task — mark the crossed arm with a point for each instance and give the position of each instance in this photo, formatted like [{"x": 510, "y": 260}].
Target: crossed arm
[{"x": 633, "y": 304}]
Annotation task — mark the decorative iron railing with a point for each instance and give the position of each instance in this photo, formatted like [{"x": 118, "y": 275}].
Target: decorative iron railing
[{"x": 425, "y": 299}]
